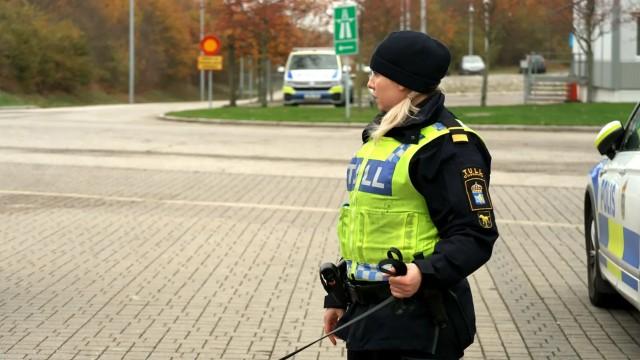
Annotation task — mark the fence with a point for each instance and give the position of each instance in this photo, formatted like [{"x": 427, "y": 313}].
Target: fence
[{"x": 560, "y": 86}]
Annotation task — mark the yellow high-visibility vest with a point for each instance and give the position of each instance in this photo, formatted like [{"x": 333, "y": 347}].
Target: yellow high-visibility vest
[{"x": 385, "y": 210}]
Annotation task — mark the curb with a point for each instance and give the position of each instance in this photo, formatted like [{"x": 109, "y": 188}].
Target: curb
[
  {"x": 261, "y": 122},
  {"x": 19, "y": 107},
  {"x": 540, "y": 128}
]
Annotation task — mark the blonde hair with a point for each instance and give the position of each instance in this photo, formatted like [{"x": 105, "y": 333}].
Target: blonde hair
[{"x": 397, "y": 115}]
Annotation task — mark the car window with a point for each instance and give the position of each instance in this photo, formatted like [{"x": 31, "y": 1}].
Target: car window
[
  {"x": 631, "y": 141},
  {"x": 302, "y": 62}
]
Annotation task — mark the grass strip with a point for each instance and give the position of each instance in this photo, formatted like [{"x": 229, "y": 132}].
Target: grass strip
[{"x": 595, "y": 114}]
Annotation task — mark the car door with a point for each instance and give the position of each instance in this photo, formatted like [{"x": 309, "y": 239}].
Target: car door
[
  {"x": 619, "y": 214},
  {"x": 611, "y": 245},
  {"x": 628, "y": 162}
]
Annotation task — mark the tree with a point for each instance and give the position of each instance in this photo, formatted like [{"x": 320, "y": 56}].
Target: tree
[
  {"x": 88, "y": 39},
  {"x": 40, "y": 55},
  {"x": 266, "y": 30},
  {"x": 587, "y": 25},
  {"x": 164, "y": 54}
]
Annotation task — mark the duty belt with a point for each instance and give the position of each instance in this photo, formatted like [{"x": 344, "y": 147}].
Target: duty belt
[
  {"x": 369, "y": 294},
  {"x": 330, "y": 279}
]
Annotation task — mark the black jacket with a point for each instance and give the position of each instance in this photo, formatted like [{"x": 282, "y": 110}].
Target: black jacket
[{"x": 453, "y": 176}]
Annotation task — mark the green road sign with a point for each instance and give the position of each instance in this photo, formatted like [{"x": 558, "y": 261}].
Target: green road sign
[{"x": 345, "y": 29}]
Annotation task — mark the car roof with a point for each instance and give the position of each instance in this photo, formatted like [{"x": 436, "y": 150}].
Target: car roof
[{"x": 307, "y": 51}]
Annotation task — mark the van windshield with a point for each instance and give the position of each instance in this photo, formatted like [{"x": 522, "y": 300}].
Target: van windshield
[
  {"x": 472, "y": 59},
  {"x": 313, "y": 61}
]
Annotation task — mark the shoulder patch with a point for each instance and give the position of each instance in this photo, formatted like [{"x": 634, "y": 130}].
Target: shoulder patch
[
  {"x": 476, "y": 188},
  {"x": 484, "y": 218},
  {"x": 459, "y": 138},
  {"x": 458, "y": 134}
]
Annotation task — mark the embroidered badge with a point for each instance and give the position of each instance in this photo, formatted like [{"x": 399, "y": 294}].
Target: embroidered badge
[
  {"x": 472, "y": 172},
  {"x": 477, "y": 193},
  {"x": 484, "y": 218},
  {"x": 476, "y": 188}
]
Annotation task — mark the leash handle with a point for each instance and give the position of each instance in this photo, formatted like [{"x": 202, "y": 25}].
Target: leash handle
[{"x": 394, "y": 258}]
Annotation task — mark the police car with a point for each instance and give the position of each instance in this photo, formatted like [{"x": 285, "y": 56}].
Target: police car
[
  {"x": 314, "y": 76},
  {"x": 612, "y": 215}
]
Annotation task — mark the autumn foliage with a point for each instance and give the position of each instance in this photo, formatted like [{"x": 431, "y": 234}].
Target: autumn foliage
[{"x": 71, "y": 45}]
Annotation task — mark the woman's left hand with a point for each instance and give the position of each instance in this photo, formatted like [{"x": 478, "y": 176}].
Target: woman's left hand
[{"x": 407, "y": 285}]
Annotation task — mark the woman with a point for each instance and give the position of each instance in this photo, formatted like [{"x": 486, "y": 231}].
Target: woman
[{"x": 418, "y": 184}]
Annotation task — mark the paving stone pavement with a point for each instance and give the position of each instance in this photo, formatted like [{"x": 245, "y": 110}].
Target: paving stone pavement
[{"x": 101, "y": 263}]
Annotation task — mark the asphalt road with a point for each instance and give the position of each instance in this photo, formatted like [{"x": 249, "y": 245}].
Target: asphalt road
[{"x": 131, "y": 136}]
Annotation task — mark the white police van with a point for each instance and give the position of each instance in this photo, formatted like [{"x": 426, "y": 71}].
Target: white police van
[
  {"x": 612, "y": 215},
  {"x": 314, "y": 76}
]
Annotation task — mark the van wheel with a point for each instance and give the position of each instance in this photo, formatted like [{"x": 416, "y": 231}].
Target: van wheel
[{"x": 601, "y": 294}]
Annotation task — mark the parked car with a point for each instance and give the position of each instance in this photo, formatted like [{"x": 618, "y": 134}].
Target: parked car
[
  {"x": 538, "y": 64},
  {"x": 612, "y": 215},
  {"x": 471, "y": 64}
]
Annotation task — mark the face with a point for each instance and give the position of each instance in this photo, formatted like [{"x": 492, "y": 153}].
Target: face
[{"x": 386, "y": 92}]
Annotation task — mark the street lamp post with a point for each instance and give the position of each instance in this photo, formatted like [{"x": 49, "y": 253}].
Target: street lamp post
[
  {"x": 402, "y": 13},
  {"x": 408, "y": 14},
  {"x": 471, "y": 11},
  {"x": 423, "y": 16},
  {"x": 201, "y": 36},
  {"x": 132, "y": 49},
  {"x": 487, "y": 51}
]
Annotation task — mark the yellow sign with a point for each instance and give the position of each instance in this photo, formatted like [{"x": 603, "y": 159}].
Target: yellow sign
[{"x": 210, "y": 62}]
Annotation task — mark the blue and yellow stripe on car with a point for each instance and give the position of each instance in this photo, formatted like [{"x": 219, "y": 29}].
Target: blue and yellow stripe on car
[
  {"x": 622, "y": 244},
  {"x": 336, "y": 89},
  {"x": 594, "y": 175}
]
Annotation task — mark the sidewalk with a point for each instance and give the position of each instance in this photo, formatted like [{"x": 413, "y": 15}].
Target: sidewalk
[{"x": 135, "y": 264}]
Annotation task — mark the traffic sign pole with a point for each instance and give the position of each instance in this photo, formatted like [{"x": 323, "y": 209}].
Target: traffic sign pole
[
  {"x": 132, "y": 52},
  {"x": 345, "y": 42},
  {"x": 210, "y": 89},
  {"x": 201, "y": 37},
  {"x": 346, "y": 90},
  {"x": 210, "y": 45}
]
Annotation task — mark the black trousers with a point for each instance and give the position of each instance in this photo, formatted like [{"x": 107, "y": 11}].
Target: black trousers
[
  {"x": 387, "y": 355},
  {"x": 447, "y": 349}
]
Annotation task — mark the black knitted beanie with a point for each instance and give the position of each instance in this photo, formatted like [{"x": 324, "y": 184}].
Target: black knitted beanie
[{"x": 412, "y": 59}]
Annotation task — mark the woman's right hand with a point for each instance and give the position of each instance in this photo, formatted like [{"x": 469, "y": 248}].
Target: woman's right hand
[{"x": 331, "y": 317}]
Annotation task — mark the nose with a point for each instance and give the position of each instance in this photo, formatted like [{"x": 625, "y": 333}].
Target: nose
[{"x": 371, "y": 84}]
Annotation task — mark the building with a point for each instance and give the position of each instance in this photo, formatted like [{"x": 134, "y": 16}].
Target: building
[{"x": 616, "y": 52}]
